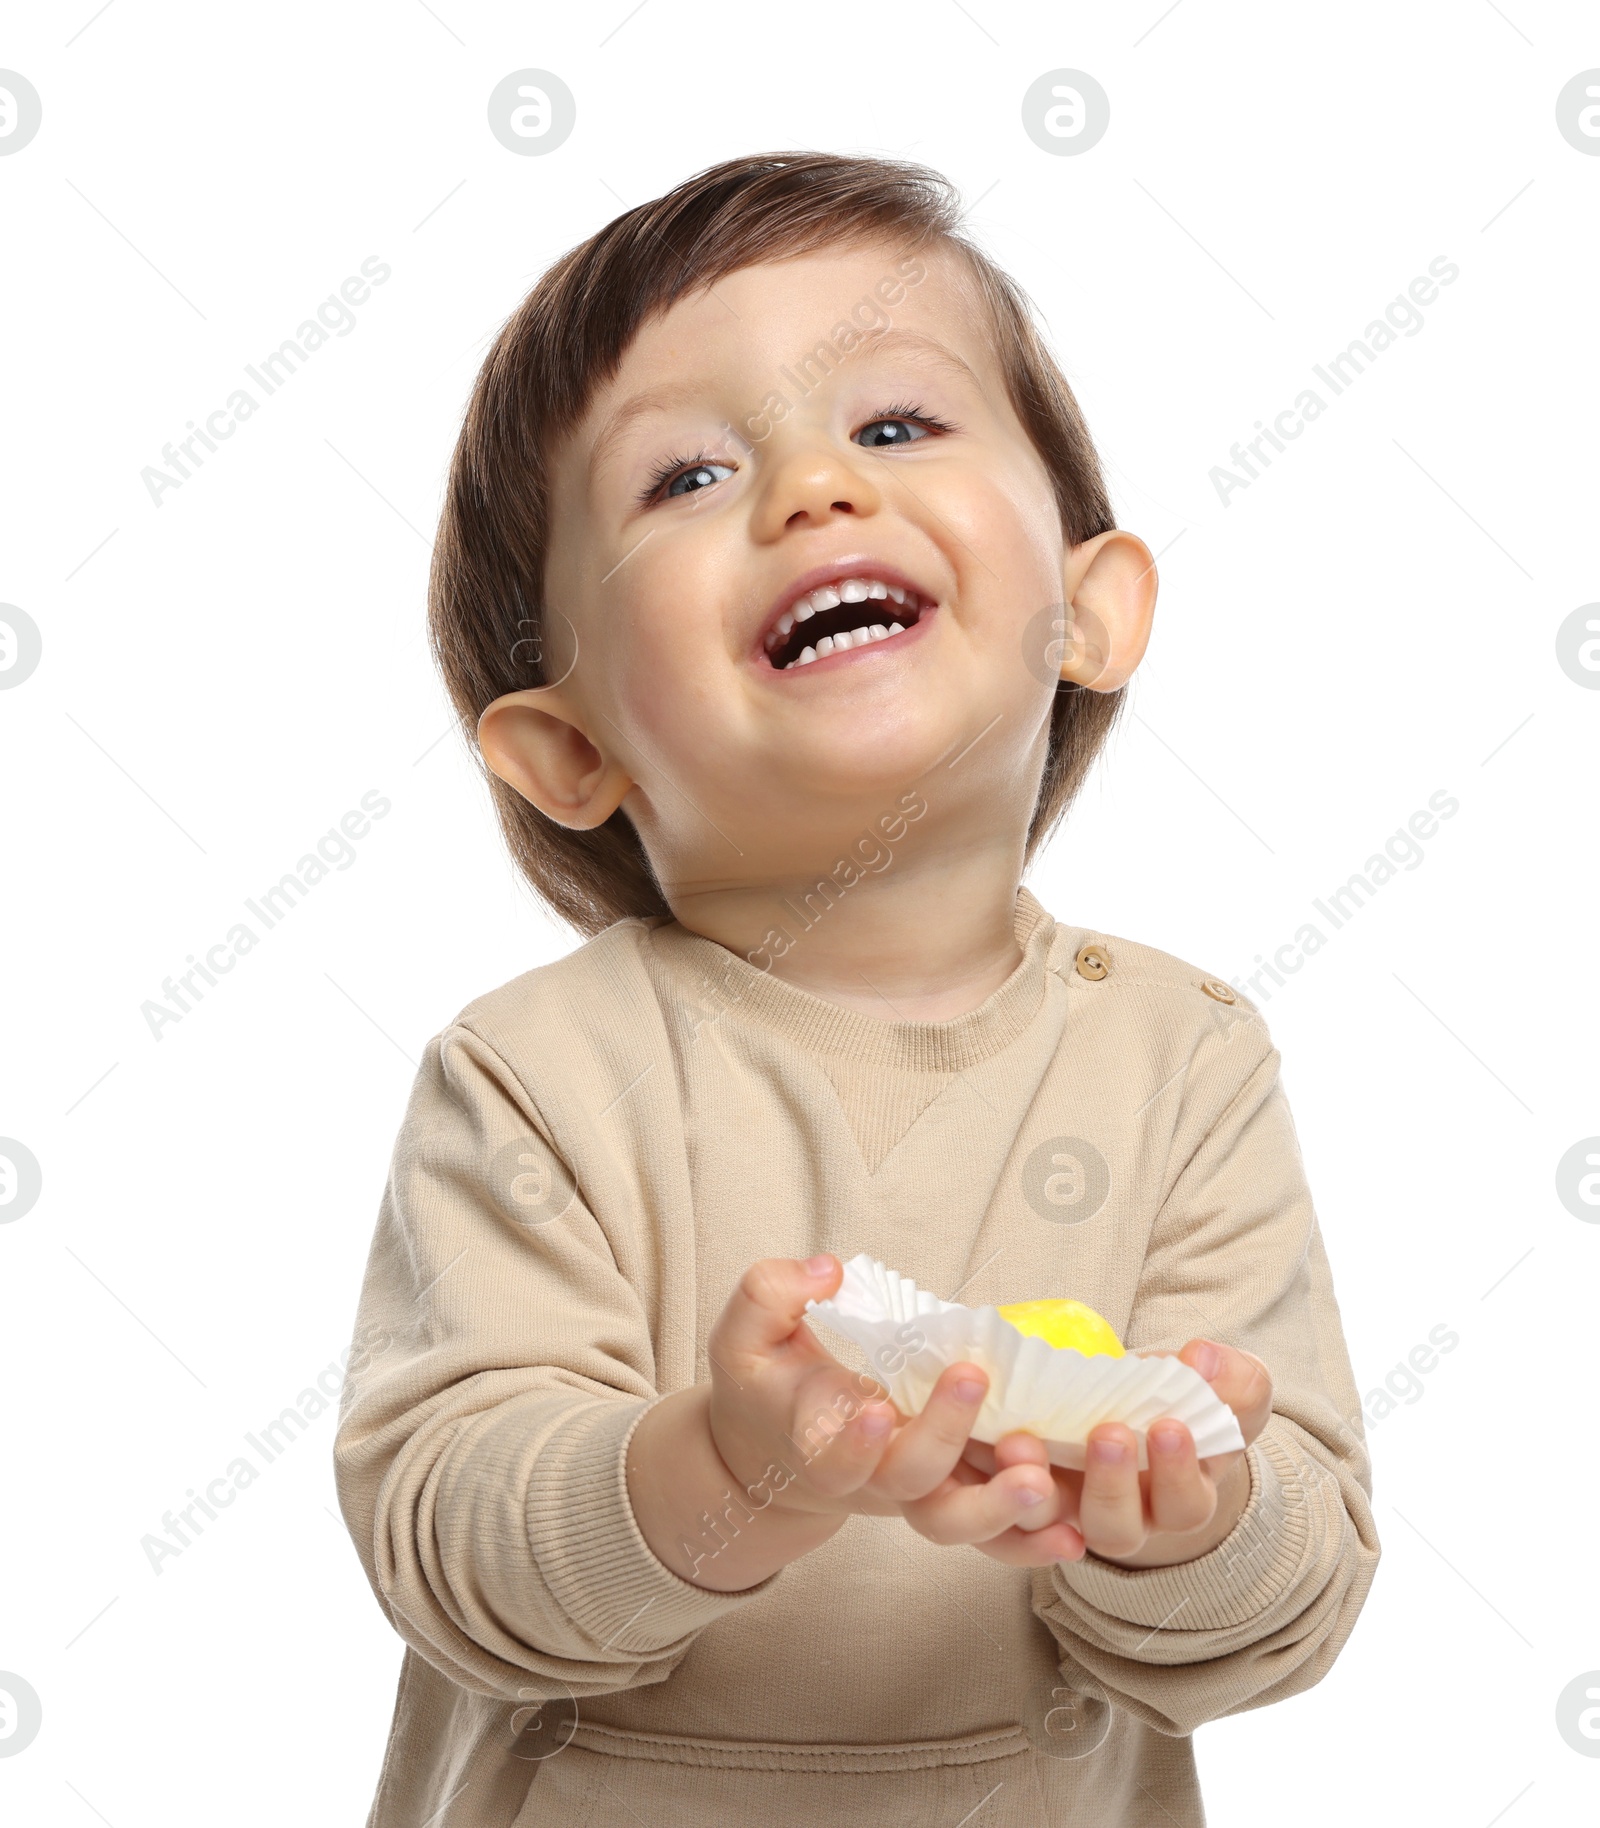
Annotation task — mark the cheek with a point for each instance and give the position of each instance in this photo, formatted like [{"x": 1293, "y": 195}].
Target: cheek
[
  {"x": 661, "y": 660},
  {"x": 1013, "y": 587},
  {"x": 1007, "y": 519}
]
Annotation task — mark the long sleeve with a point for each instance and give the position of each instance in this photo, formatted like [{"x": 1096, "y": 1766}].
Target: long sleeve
[
  {"x": 502, "y": 1362},
  {"x": 1235, "y": 1254}
]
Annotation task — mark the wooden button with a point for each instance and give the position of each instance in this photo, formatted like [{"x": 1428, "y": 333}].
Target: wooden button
[
  {"x": 1218, "y": 991},
  {"x": 1092, "y": 962}
]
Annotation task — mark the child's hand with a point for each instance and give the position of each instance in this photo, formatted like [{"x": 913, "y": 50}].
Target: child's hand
[
  {"x": 1183, "y": 1506},
  {"x": 779, "y": 1399}
]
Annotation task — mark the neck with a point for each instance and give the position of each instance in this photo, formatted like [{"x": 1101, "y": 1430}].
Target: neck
[{"x": 921, "y": 940}]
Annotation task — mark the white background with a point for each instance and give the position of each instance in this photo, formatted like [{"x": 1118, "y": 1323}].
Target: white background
[{"x": 1373, "y": 620}]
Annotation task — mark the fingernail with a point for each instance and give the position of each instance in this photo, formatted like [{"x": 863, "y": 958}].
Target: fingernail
[
  {"x": 876, "y": 1424},
  {"x": 1166, "y": 1440},
  {"x": 818, "y": 1266},
  {"x": 1029, "y": 1497},
  {"x": 1208, "y": 1360},
  {"x": 969, "y": 1389},
  {"x": 1108, "y": 1453}
]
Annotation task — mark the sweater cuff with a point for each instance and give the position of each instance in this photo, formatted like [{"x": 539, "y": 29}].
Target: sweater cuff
[
  {"x": 594, "y": 1557},
  {"x": 1237, "y": 1581}
]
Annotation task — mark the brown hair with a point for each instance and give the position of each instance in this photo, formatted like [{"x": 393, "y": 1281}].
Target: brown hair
[{"x": 567, "y": 338}]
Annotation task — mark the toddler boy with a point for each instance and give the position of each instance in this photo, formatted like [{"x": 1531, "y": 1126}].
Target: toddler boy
[{"x": 779, "y": 582}]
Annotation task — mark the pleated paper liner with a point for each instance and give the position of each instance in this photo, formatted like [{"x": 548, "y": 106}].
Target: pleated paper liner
[{"x": 910, "y": 1336}]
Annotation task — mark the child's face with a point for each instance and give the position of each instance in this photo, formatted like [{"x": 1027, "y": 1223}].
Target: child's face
[{"x": 723, "y": 469}]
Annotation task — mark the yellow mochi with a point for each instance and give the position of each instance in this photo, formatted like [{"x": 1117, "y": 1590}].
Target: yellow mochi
[{"x": 1064, "y": 1323}]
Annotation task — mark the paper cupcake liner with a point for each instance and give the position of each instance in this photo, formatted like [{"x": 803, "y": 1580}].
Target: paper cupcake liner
[{"x": 910, "y": 1336}]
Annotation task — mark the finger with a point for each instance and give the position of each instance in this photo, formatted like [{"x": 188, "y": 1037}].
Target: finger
[
  {"x": 1111, "y": 1510},
  {"x": 839, "y": 1429},
  {"x": 1023, "y": 1449},
  {"x": 1181, "y": 1496},
  {"x": 962, "y": 1513},
  {"x": 1019, "y": 1448},
  {"x": 1034, "y": 1548},
  {"x": 927, "y": 1449},
  {"x": 1239, "y": 1378},
  {"x": 764, "y": 1314}
]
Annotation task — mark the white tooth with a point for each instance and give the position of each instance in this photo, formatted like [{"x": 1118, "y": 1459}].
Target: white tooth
[
  {"x": 803, "y": 612},
  {"x": 825, "y": 646},
  {"x": 785, "y": 623},
  {"x": 897, "y": 593},
  {"x": 859, "y": 637},
  {"x": 853, "y": 590},
  {"x": 875, "y": 589},
  {"x": 896, "y": 628},
  {"x": 878, "y": 632},
  {"x": 825, "y": 598},
  {"x": 807, "y": 655}
]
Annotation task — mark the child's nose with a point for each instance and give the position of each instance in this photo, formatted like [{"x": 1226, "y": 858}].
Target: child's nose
[{"x": 810, "y": 482}]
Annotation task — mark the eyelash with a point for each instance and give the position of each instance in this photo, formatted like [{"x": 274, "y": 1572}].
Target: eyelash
[{"x": 674, "y": 467}]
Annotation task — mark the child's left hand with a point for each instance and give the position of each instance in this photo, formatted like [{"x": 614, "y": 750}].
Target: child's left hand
[{"x": 1181, "y": 1508}]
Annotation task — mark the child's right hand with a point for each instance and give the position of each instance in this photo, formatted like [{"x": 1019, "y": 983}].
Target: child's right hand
[{"x": 780, "y": 1401}]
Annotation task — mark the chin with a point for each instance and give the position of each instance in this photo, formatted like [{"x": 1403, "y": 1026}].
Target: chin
[{"x": 849, "y": 762}]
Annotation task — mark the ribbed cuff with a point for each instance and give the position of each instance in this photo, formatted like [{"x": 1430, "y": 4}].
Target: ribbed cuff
[
  {"x": 1241, "y": 1578},
  {"x": 599, "y": 1567}
]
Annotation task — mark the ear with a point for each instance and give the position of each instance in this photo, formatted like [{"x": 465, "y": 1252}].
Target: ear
[
  {"x": 1110, "y": 584},
  {"x": 535, "y": 742}
]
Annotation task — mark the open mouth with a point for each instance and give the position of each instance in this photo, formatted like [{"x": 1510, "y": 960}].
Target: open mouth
[{"x": 852, "y": 612}]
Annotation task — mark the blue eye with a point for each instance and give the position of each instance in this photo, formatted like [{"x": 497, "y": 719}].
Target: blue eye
[
  {"x": 900, "y": 425},
  {"x": 699, "y": 476},
  {"x": 895, "y": 433}
]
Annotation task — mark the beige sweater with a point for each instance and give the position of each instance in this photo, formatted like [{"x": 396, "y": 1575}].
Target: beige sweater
[{"x": 592, "y": 1155}]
